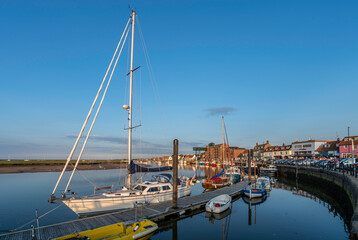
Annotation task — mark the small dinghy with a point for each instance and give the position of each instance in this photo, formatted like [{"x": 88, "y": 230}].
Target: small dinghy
[
  {"x": 253, "y": 192},
  {"x": 218, "y": 204}
]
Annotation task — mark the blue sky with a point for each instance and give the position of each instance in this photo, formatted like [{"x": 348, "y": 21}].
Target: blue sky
[{"x": 277, "y": 70}]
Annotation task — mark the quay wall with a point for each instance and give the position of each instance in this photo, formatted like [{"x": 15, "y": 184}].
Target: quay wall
[{"x": 347, "y": 182}]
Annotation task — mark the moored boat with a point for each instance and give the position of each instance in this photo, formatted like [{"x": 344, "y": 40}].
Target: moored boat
[
  {"x": 270, "y": 169},
  {"x": 140, "y": 230},
  {"x": 264, "y": 182},
  {"x": 215, "y": 182},
  {"x": 159, "y": 189},
  {"x": 253, "y": 191},
  {"x": 156, "y": 190},
  {"x": 218, "y": 204},
  {"x": 234, "y": 173},
  {"x": 220, "y": 180}
]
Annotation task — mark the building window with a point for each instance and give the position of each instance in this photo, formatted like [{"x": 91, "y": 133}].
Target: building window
[{"x": 345, "y": 146}]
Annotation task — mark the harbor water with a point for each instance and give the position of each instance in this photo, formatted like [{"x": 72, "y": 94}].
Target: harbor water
[{"x": 287, "y": 213}]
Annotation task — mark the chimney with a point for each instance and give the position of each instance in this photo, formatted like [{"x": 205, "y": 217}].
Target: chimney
[
  {"x": 310, "y": 138},
  {"x": 296, "y": 139}
]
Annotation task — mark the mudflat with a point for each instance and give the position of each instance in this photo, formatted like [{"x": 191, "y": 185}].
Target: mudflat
[{"x": 57, "y": 168}]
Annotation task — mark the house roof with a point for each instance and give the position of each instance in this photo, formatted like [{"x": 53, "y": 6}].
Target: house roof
[
  {"x": 348, "y": 140},
  {"x": 329, "y": 146},
  {"x": 262, "y": 146},
  {"x": 278, "y": 148},
  {"x": 310, "y": 141}
]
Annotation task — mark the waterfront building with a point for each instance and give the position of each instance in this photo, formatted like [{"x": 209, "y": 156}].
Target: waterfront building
[
  {"x": 346, "y": 149},
  {"x": 329, "y": 149},
  {"x": 243, "y": 157},
  {"x": 215, "y": 152},
  {"x": 259, "y": 149},
  {"x": 306, "y": 148},
  {"x": 277, "y": 152}
]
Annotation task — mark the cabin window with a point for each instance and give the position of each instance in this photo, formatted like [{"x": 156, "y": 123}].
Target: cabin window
[
  {"x": 165, "y": 188},
  {"x": 140, "y": 188},
  {"x": 153, "y": 189}
]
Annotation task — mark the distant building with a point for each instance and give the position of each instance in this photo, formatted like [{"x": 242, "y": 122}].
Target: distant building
[
  {"x": 215, "y": 152},
  {"x": 243, "y": 157},
  {"x": 345, "y": 147},
  {"x": 329, "y": 149},
  {"x": 306, "y": 148},
  {"x": 277, "y": 152},
  {"x": 259, "y": 149}
]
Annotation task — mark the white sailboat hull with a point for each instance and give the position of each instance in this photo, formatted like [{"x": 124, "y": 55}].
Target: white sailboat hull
[{"x": 99, "y": 204}]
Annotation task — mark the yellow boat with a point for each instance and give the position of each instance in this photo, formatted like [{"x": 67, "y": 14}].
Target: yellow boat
[{"x": 140, "y": 230}]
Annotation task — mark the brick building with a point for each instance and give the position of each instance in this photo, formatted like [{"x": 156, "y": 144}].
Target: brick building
[{"x": 215, "y": 152}]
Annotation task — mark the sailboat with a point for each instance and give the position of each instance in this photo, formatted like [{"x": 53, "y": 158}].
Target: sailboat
[
  {"x": 159, "y": 189},
  {"x": 220, "y": 180},
  {"x": 255, "y": 190}
]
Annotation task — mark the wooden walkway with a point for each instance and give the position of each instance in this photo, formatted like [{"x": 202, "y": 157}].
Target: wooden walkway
[{"x": 155, "y": 212}]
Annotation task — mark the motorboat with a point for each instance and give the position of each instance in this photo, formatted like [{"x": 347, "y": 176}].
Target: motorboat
[
  {"x": 269, "y": 169},
  {"x": 218, "y": 204},
  {"x": 234, "y": 173},
  {"x": 264, "y": 182},
  {"x": 139, "y": 230}
]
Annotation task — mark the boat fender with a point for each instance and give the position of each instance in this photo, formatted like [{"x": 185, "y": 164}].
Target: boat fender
[{"x": 136, "y": 227}]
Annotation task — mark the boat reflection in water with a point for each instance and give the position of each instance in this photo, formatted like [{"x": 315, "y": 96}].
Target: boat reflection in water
[
  {"x": 217, "y": 216},
  {"x": 225, "y": 217},
  {"x": 253, "y": 202}
]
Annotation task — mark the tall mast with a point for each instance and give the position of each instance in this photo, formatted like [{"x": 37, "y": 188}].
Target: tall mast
[
  {"x": 130, "y": 101},
  {"x": 223, "y": 140}
]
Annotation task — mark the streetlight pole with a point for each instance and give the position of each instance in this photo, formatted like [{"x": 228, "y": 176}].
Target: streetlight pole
[{"x": 348, "y": 130}]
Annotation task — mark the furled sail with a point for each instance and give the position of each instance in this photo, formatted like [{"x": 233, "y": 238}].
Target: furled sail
[{"x": 133, "y": 168}]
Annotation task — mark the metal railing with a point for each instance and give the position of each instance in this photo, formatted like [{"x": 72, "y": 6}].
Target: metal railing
[{"x": 351, "y": 169}]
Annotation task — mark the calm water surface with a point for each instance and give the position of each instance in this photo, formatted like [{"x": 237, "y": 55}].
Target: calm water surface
[{"x": 283, "y": 215}]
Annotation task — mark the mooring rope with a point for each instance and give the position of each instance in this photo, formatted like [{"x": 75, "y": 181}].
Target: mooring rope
[{"x": 33, "y": 220}]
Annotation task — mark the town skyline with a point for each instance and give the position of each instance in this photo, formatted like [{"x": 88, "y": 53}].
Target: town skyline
[{"x": 277, "y": 72}]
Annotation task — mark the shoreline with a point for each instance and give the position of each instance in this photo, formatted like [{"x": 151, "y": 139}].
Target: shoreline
[{"x": 57, "y": 168}]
